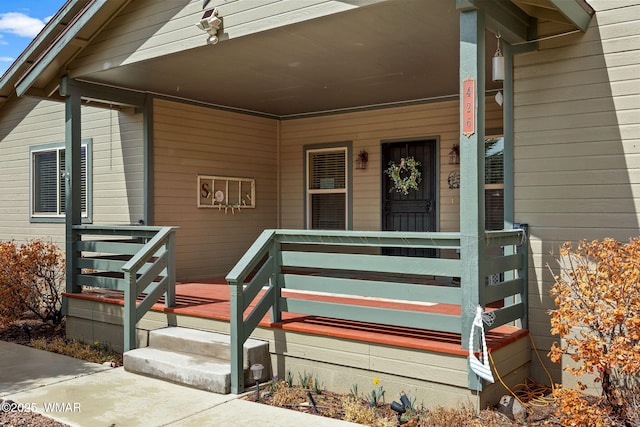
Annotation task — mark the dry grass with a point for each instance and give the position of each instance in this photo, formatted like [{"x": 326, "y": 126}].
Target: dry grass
[
  {"x": 356, "y": 408},
  {"x": 96, "y": 352}
]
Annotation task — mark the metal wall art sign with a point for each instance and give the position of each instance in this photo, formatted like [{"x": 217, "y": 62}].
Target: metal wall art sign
[
  {"x": 224, "y": 192},
  {"x": 468, "y": 107}
]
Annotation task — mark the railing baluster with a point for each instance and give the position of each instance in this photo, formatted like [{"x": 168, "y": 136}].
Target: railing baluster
[
  {"x": 274, "y": 252},
  {"x": 130, "y": 297},
  {"x": 170, "y": 294},
  {"x": 237, "y": 337},
  {"x": 523, "y": 251}
]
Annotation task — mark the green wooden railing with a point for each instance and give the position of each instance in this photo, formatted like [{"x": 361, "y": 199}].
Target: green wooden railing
[
  {"x": 138, "y": 260},
  {"x": 352, "y": 264}
]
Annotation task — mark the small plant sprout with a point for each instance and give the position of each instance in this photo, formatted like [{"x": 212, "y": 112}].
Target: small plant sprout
[
  {"x": 354, "y": 391},
  {"x": 377, "y": 393},
  {"x": 289, "y": 378},
  {"x": 306, "y": 380},
  {"x": 317, "y": 387}
]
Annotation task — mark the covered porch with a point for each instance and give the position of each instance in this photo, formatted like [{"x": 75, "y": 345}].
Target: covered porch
[{"x": 299, "y": 276}]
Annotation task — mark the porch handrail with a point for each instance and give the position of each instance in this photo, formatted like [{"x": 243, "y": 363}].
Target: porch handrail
[
  {"x": 159, "y": 252},
  {"x": 142, "y": 262},
  {"x": 286, "y": 260},
  {"x": 267, "y": 263}
]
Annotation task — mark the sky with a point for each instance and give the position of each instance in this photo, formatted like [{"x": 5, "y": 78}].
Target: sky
[{"x": 20, "y": 22}]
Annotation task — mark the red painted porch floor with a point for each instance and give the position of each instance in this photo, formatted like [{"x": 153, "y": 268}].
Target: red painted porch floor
[{"x": 210, "y": 299}]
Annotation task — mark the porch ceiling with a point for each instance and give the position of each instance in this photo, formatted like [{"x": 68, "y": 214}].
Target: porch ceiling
[{"x": 393, "y": 51}]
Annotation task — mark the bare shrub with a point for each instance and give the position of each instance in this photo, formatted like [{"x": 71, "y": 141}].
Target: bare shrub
[
  {"x": 13, "y": 299},
  {"x": 31, "y": 279}
]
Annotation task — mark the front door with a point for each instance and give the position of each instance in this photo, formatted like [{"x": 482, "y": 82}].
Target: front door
[{"x": 415, "y": 211}]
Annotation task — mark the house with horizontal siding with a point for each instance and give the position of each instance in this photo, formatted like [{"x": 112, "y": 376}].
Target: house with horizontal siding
[{"x": 218, "y": 122}]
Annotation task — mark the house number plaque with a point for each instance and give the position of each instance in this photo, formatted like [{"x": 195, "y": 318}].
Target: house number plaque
[{"x": 468, "y": 107}]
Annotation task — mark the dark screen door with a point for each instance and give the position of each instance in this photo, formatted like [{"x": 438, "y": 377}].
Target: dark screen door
[{"x": 417, "y": 210}]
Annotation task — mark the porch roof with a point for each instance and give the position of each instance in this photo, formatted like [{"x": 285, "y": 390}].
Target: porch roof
[{"x": 370, "y": 53}]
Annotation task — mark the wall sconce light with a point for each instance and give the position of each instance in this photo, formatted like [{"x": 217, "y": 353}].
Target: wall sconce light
[
  {"x": 256, "y": 371},
  {"x": 210, "y": 23},
  {"x": 454, "y": 155},
  {"x": 498, "y": 63},
  {"x": 362, "y": 159}
]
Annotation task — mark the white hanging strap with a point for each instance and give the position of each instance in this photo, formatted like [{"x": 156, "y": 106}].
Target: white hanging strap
[{"x": 481, "y": 368}]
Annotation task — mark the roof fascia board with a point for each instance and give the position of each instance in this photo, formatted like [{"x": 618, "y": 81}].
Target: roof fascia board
[
  {"x": 66, "y": 38},
  {"x": 101, "y": 93},
  {"x": 575, "y": 12},
  {"x": 51, "y": 26},
  {"x": 502, "y": 17}
]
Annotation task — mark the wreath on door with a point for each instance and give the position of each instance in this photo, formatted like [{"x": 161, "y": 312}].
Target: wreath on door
[{"x": 404, "y": 175}]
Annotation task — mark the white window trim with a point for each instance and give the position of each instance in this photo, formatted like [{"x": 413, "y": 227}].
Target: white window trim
[{"x": 309, "y": 191}]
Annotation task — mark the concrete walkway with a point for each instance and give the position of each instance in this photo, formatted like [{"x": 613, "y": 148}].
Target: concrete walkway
[{"x": 79, "y": 393}]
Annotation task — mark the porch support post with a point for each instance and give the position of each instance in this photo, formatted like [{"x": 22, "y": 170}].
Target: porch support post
[
  {"x": 472, "y": 221},
  {"x": 507, "y": 119},
  {"x": 147, "y": 131},
  {"x": 72, "y": 186}
]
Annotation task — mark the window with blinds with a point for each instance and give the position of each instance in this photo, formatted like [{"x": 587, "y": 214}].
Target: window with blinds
[
  {"x": 48, "y": 166},
  {"x": 327, "y": 189},
  {"x": 494, "y": 183}
]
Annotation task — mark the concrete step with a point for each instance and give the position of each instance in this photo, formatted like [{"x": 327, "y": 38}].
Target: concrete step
[
  {"x": 204, "y": 373},
  {"x": 209, "y": 344},
  {"x": 195, "y": 358}
]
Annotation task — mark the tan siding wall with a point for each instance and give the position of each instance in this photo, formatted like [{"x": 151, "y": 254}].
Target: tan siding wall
[
  {"x": 147, "y": 29},
  {"x": 367, "y": 130},
  {"x": 117, "y": 164},
  {"x": 191, "y": 140},
  {"x": 577, "y": 143}
]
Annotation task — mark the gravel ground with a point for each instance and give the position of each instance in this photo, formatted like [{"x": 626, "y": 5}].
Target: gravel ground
[{"x": 14, "y": 415}]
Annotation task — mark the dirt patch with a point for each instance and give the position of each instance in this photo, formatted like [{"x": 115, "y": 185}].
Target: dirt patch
[{"x": 24, "y": 331}]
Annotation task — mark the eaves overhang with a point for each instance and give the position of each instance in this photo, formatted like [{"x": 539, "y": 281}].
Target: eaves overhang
[
  {"x": 35, "y": 49},
  {"x": 38, "y": 70},
  {"x": 516, "y": 21},
  {"x": 577, "y": 12}
]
